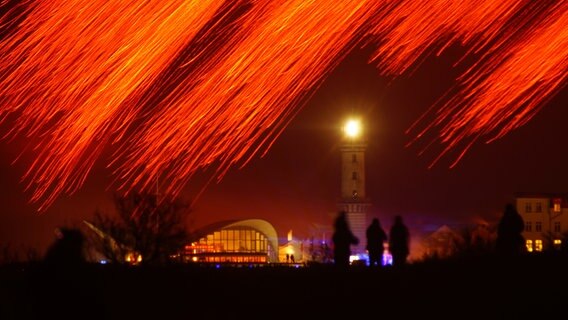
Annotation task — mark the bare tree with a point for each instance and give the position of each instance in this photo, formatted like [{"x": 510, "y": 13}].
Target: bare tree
[
  {"x": 10, "y": 255},
  {"x": 103, "y": 242},
  {"x": 7, "y": 255},
  {"x": 476, "y": 241},
  {"x": 145, "y": 225}
]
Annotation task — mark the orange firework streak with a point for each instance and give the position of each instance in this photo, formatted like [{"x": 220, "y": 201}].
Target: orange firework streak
[
  {"x": 244, "y": 101},
  {"x": 524, "y": 61},
  {"x": 411, "y": 29},
  {"x": 78, "y": 73},
  {"x": 80, "y": 61},
  {"x": 508, "y": 89}
]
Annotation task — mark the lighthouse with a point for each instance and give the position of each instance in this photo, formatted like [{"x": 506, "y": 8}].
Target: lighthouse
[{"x": 353, "y": 199}]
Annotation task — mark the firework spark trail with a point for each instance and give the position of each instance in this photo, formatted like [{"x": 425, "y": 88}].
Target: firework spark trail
[
  {"x": 411, "y": 29},
  {"x": 78, "y": 73},
  {"x": 523, "y": 64},
  {"x": 241, "y": 104},
  {"x": 81, "y": 61},
  {"x": 508, "y": 89}
]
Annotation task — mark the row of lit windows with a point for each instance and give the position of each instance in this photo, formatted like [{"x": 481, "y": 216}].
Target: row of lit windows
[
  {"x": 538, "y": 226},
  {"x": 230, "y": 259},
  {"x": 236, "y": 240},
  {"x": 538, "y": 245}
]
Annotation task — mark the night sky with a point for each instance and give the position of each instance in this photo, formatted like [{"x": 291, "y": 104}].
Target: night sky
[{"x": 297, "y": 184}]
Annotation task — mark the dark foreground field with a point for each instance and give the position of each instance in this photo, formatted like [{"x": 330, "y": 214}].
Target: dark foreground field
[{"x": 482, "y": 288}]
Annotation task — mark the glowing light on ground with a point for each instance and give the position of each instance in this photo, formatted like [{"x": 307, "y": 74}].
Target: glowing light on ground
[{"x": 173, "y": 86}]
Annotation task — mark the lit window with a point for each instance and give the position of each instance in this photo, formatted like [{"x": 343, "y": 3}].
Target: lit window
[
  {"x": 557, "y": 244},
  {"x": 557, "y": 226},
  {"x": 528, "y": 207},
  {"x": 538, "y": 245},
  {"x": 538, "y": 227},
  {"x": 538, "y": 207},
  {"x": 528, "y": 226},
  {"x": 557, "y": 205},
  {"x": 529, "y": 244}
]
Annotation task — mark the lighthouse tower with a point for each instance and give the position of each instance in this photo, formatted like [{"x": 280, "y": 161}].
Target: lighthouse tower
[{"x": 353, "y": 197}]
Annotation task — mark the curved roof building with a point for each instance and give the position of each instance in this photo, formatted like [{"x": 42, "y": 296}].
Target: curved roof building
[{"x": 234, "y": 242}]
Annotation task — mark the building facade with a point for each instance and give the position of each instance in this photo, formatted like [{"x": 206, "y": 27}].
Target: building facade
[
  {"x": 546, "y": 219},
  {"x": 251, "y": 241},
  {"x": 292, "y": 251},
  {"x": 442, "y": 243}
]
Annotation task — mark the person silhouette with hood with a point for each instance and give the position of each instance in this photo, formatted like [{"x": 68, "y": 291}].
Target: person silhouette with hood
[
  {"x": 399, "y": 239},
  {"x": 342, "y": 239},
  {"x": 376, "y": 238}
]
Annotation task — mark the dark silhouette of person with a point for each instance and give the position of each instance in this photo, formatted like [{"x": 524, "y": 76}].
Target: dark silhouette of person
[
  {"x": 376, "y": 237},
  {"x": 67, "y": 249},
  {"x": 292, "y": 258},
  {"x": 399, "y": 239},
  {"x": 65, "y": 285},
  {"x": 342, "y": 239},
  {"x": 510, "y": 240}
]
